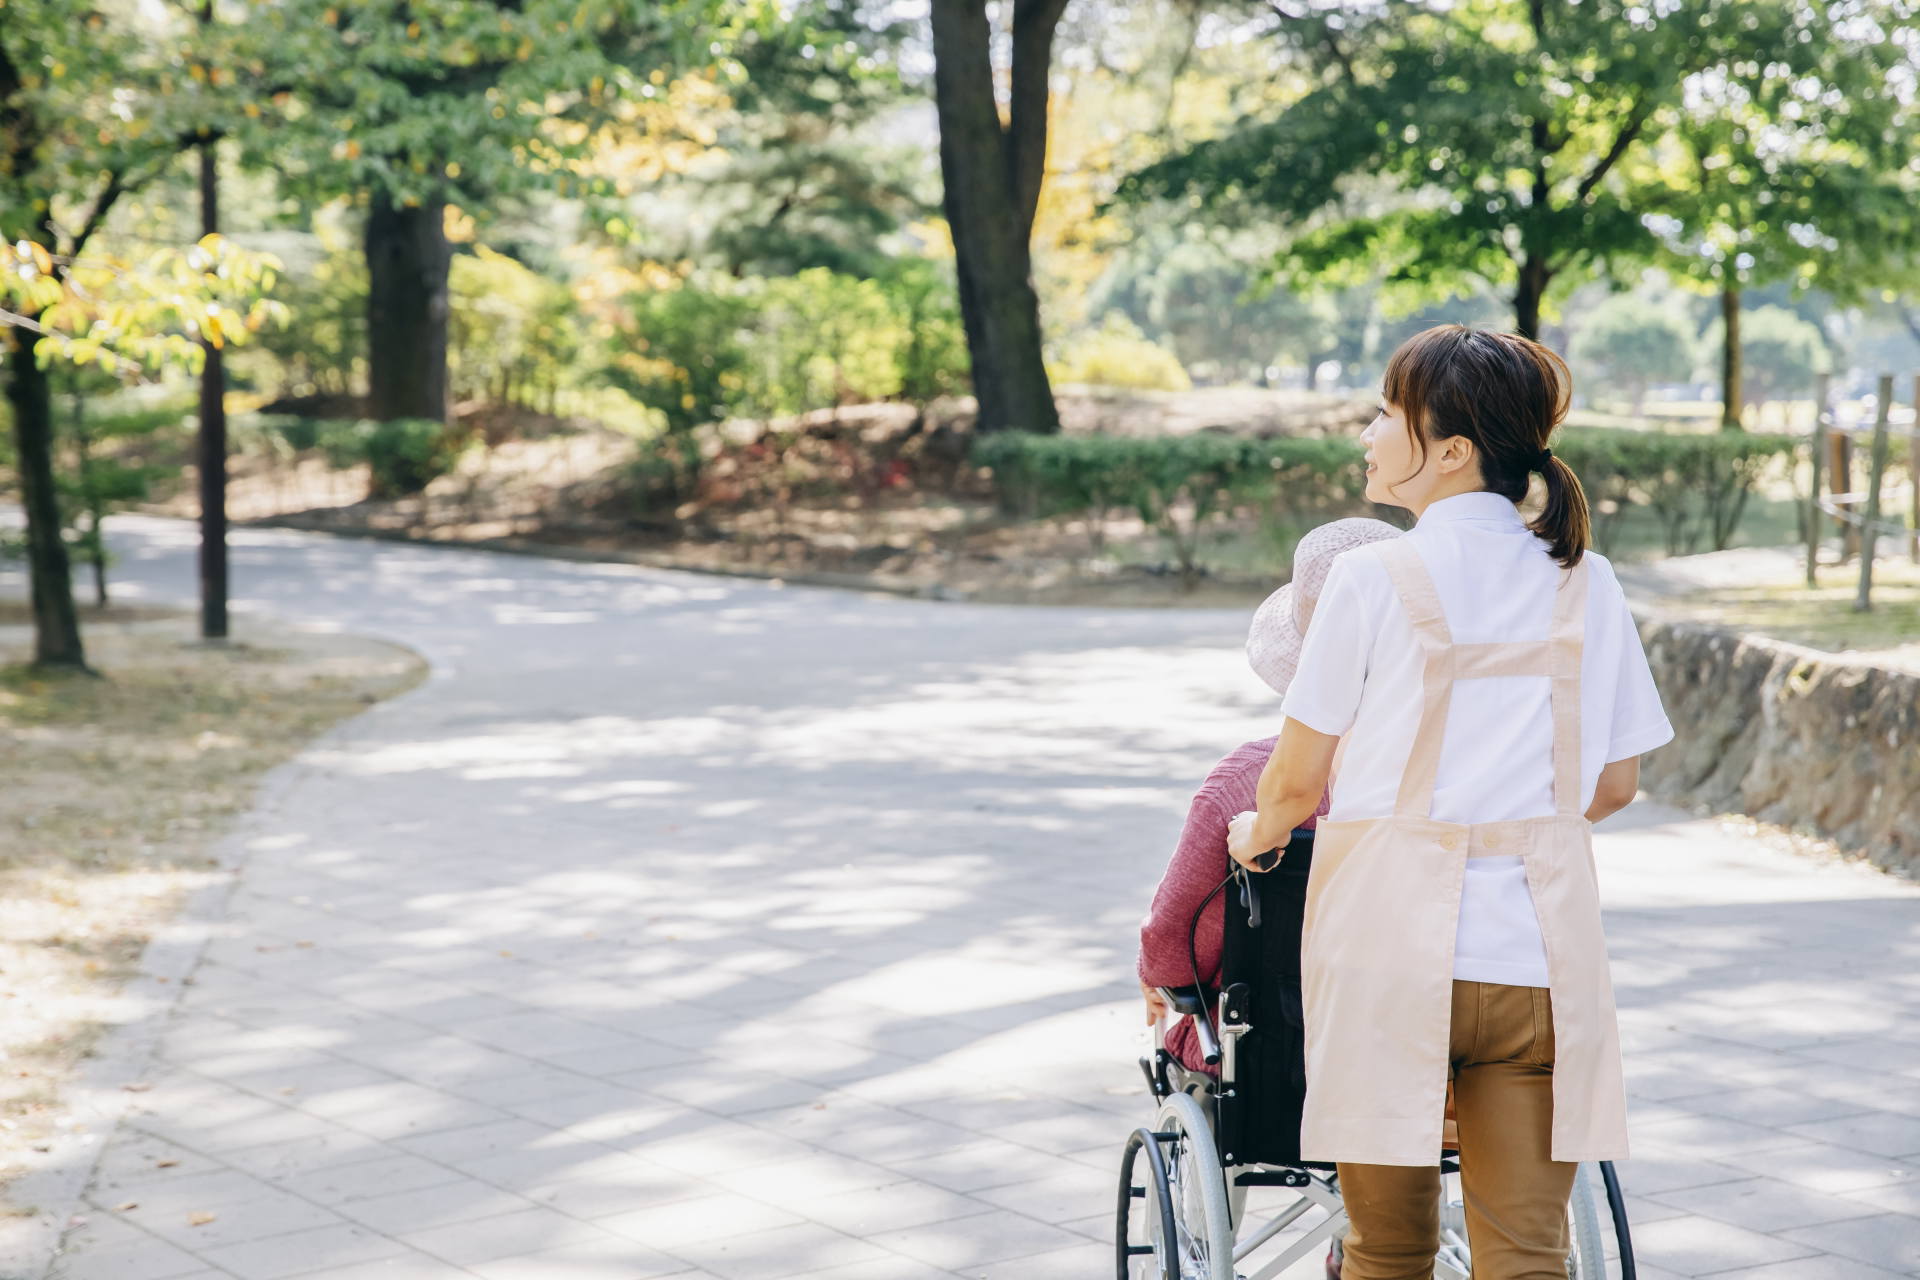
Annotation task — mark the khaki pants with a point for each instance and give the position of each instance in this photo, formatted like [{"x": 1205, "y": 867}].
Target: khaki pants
[{"x": 1516, "y": 1197}]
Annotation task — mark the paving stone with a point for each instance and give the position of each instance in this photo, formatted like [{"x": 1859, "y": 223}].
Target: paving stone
[
  {"x": 964, "y": 1243},
  {"x": 107, "y": 1248},
  {"x": 782, "y": 1251},
  {"x": 1891, "y": 1240},
  {"x": 1765, "y": 1204},
  {"x": 698, "y": 1218},
  {"x": 504, "y": 1235},
  {"x": 1693, "y": 1246},
  {"x": 300, "y": 1252}
]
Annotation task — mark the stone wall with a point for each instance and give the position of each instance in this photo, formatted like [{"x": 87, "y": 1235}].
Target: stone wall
[{"x": 1815, "y": 742}]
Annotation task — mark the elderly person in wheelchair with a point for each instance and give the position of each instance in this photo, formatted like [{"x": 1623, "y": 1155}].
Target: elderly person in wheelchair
[{"x": 1219, "y": 970}]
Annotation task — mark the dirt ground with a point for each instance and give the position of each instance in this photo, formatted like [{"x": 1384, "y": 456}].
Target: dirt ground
[{"x": 116, "y": 788}]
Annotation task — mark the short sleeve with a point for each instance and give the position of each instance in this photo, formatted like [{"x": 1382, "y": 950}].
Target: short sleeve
[
  {"x": 1325, "y": 693},
  {"x": 1639, "y": 722}
]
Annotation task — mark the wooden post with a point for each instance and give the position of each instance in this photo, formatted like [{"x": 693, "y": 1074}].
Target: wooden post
[
  {"x": 1913, "y": 477},
  {"x": 1816, "y": 455},
  {"x": 1877, "y": 470},
  {"x": 1839, "y": 483}
]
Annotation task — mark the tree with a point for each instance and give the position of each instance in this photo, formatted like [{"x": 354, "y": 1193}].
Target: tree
[
  {"x": 991, "y": 173},
  {"x": 1444, "y": 146},
  {"x": 1633, "y": 343},
  {"x": 1789, "y": 167},
  {"x": 1781, "y": 351},
  {"x": 411, "y": 107}
]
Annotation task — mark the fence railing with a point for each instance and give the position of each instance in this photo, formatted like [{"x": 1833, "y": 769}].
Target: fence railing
[{"x": 1858, "y": 512}]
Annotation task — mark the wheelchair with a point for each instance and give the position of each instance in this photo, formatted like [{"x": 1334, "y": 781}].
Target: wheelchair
[{"x": 1184, "y": 1182}]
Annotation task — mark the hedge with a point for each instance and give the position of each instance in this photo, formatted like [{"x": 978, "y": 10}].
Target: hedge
[{"x": 1696, "y": 485}]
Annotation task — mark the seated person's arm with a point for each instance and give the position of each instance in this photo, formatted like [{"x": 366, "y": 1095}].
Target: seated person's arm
[
  {"x": 1288, "y": 793},
  {"x": 1619, "y": 784},
  {"x": 1192, "y": 873}
]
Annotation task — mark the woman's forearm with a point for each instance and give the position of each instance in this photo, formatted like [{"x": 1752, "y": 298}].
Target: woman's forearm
[{"x": 1292, "y": 783}]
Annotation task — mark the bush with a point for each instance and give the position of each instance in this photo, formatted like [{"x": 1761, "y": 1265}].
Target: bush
[
  {"x": 1176, "y": 484},
  {"x": 1696, "y": 485},
  {"x": 1117, "y": 354},
  {"x": 1632, "y": 343},
  {"x": 403, "y": 456}
]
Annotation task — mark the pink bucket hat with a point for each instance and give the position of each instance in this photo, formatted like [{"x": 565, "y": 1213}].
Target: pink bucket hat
[{"x": 1280, "y": 623}]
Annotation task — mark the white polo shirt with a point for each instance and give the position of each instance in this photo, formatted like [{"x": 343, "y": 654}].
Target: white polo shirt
[{"x": 1360, "y": 678}]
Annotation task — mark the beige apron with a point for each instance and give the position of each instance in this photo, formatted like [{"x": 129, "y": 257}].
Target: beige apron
[{"x": 1383, "y": 905}]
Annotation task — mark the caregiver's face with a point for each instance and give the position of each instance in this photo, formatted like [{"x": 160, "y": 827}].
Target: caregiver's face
[{"x": 1395, "y": 466}]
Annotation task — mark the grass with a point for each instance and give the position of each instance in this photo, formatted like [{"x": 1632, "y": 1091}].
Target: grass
[
  {"x": 1823, "y": 617},
  {"x": 116, "y": 788}
]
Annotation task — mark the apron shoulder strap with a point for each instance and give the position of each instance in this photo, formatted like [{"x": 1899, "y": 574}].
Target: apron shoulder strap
[
  {"x": 1421, "y": 600},
  {"x": 1565, "y": 645}
]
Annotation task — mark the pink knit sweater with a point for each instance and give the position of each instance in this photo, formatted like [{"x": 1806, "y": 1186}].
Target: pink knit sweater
[{"x": 1199, "y": 863}]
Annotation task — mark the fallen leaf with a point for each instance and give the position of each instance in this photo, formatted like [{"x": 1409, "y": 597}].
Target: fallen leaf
[
  {"x": 128, "y": 1207},
  {"x": 165, "y": 1164},
  {"x": 200, "y": 1218},
  {"x": 138, "y": 1087}
]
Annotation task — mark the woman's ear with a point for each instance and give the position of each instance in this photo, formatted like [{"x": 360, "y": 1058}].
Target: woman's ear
[{"x": 1456, "y": 453}]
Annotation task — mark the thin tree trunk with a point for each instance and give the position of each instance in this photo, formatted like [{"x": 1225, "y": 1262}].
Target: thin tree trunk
[
  {"x": 407, "y": 263},
  {"x": 213, "y": 430},
  {"x": 96, "y": 542},
  {"x": 56, "y": 624},
  {"x": 1730, "y": 360},
  {"x": 1528, "y": 294},
  {"x": 992, "y": 176}
]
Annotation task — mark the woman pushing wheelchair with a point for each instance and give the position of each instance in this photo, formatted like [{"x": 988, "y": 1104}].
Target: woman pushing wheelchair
[{"x": 1469, "y": 698}]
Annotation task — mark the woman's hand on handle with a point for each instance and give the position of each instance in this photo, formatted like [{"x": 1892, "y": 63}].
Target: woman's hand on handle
[
  {"x": 1244, "y": 844},
  {"x": 1156, "y": 1003}
]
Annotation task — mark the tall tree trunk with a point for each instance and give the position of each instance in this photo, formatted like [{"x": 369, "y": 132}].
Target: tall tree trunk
[
  {"x": 213, "y": 431},
  {"x": 96, "y": 539},
  {"x": 407, "y": 262},
  {"x": 1730, "y": 361},
  {"x": 992, "y": 175},
  {"x": 1528, "y": 293},
  {"x": 56, "y": 624}
]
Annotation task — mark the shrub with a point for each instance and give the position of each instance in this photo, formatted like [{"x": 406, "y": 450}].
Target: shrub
[
  {"x": 1696, "y": 485},
  {"x": 403, "y": 456},
  {"x": 1117, "y": 354}
]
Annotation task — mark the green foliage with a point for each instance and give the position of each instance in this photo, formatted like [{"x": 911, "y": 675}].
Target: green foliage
[
  {"x": 1175, "y": 484},
  {"x": 1117, "y": 354},
  {"x": 1631, "y": 343},
  {"x": 711, "y": 350},
  {"x": 403, "y": 456},
  {"x": 323, "y": 347},
  {"x": 1780, "y": 353},
  {"x": 512, "y": 332},
  {"x": 1696, "y": 485},
  {"x": 933, "y": 359}
]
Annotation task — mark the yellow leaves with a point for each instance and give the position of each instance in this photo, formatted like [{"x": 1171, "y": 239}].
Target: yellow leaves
[
  {"x": 458, "y": 224},
  {"x": 346, "y": 149},
  {"x": 56, "y": 68},
  {"x": 525, "y": 50},
  {"x": 197, "y": 73},
  {"x": 413, "y": 31},
  {"x": 331, "y": 17},
  {"x": 252, "y": 109}
]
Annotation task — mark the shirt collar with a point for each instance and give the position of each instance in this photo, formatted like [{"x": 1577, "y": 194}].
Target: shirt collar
[{"x": 1480, "y": 507}]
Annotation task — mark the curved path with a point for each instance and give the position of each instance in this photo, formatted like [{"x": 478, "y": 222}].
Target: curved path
[{"x": 682, "y": 926}]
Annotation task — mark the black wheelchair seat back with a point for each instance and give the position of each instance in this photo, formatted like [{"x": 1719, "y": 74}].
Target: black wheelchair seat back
[{"x": 1258, "y": 1112}]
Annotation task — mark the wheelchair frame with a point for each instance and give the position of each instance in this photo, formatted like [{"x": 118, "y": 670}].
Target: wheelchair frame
[{"x": 1196, "y": 1191}]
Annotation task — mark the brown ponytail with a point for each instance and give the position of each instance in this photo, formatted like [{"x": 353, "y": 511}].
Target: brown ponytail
[
  {"x": 1564, "y": 523},
  {"x": 1506, "y": 394}
]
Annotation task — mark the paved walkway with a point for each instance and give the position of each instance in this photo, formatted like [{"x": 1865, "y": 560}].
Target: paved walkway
[{"x": 686, "y": 927}]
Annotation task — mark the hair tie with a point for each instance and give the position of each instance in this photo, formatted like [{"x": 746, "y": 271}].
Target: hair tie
[{"x": 1540, "y": 463}]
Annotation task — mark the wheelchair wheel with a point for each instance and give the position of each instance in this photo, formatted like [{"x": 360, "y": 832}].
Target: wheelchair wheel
[
  {"x": 1140, "y": 1238},
  {"x": 1201, "y": 1214},
  {"x": 1189, "y": 1231},
  {"x": 1587, "y": 1252}
]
